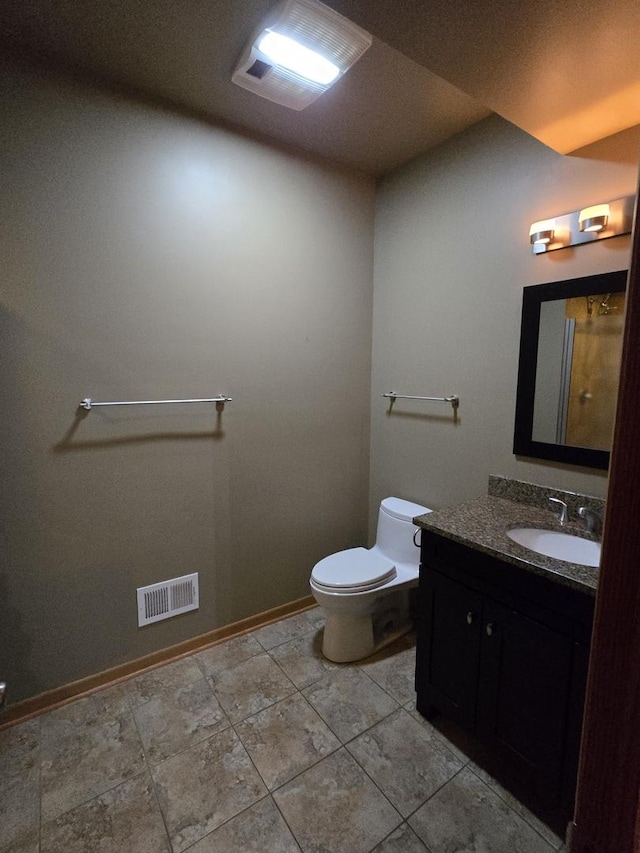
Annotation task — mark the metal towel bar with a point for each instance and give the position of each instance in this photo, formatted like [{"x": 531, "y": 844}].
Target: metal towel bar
[
  {"x": 89, "y": 404},
  {"x": 452, "y": 398}
]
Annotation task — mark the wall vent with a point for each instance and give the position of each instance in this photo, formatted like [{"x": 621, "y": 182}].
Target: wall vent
[{"x": 169, "y": 598}]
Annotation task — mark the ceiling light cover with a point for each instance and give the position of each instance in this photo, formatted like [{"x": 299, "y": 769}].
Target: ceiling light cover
[
  {"x": 316, "y": 30},
  {"x": 290, "y": 54}
]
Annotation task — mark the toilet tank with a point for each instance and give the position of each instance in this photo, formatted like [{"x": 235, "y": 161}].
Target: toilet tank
[{"x": 396, "y": 528}]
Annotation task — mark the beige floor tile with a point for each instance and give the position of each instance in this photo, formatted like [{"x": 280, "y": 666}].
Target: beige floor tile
[
  {"x": 259, "y": 829},
  {"x": 108, "y": 702},
  {"x": 402, "y": 840},
  {"x": 20, "y": 786},
  {"x": 286, "y": 739},
  {"x": 286, "y": 629},
  {"x": 302, "y": 659},
  {"x": 20, "y": 749},
  {"x": 29, "y": 843},
  {"x": 249, "y": 687},
  {"x": 315, "y": 617},
  {"x": 82, "y": 771},
  {"x": 230, "y": 653},
  {"x": 178, "y": 718},
  {"x": 349, "y": 702},
  {"x": 458, "y": 742},
  {"x": 466, "y": 815},
  {"x": 19, "y": 809},
  {"x": 125, "y": 818},
  {"x": 163, "y": 679},
  {"x": 334, "y": 807},
  {"x": 88, "y": 747},
  {"x": 205, "y": 786},
  {"x": 405, "y": 763},
  {"x": 541, "y": 828},
  {"x": 394, "y": 669}
]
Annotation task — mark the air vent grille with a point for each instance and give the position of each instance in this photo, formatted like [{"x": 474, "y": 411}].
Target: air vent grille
[
  {"x": 258, "y": 69},
  {"x": 168, "y": 598}
]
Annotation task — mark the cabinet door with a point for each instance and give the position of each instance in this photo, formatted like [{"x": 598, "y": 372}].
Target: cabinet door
[
  {"x": 449, "y": 648},
  {"x": 523, "y": 695}
]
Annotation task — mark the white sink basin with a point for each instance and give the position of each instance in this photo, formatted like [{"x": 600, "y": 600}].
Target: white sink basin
[{"x": 560, "y": 546}]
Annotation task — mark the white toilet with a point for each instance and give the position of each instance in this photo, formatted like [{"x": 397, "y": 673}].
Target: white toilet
[{"x": 365, "y": 592}]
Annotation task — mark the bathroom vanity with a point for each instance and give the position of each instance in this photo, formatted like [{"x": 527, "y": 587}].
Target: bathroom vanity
[{"x": 503, "y": 644}]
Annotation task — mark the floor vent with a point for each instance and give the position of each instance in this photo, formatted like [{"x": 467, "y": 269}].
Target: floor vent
[{"x": 169, "y": 598}]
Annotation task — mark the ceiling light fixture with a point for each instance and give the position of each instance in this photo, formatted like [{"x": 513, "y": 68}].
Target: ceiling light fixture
[
  {"x": 290, "y": 54},
  {"x": 301, "y": 49}
]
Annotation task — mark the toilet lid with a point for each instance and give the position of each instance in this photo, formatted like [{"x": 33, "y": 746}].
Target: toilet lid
[{"x": 353, "y": 569}]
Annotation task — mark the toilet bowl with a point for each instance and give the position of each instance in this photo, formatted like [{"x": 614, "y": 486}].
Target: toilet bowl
[{"x": 365, "y": 592}]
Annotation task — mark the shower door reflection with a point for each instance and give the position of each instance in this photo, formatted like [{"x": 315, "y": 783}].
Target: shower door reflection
[{"x": 579, "y": 351}]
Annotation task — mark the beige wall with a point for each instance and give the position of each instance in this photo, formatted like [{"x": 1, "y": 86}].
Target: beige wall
[
  {"x": 151, "y": 256},
  {"x": 451, "y": 259}
]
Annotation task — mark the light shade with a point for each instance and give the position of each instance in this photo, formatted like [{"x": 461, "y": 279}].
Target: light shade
[
  {"x": 542, "y": 232},
  {"x": 594, "y": 218},
  {"x": 290, "y": 54}
]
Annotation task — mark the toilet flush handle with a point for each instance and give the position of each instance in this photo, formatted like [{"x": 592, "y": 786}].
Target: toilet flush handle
[{"x": 415, "y": 533}]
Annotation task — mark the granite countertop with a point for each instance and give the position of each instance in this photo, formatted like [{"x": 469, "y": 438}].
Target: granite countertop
[{"x": 482, "y": 523}]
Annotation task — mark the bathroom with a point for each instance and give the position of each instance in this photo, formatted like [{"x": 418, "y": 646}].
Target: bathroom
[{"x": 170, "y": 258}]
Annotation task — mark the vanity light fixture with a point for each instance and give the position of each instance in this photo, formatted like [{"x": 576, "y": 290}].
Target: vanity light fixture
[
  {"x": 301, "y": 49},
  {"x": 594, "y": 218},
  {"x": 596, "y": 222}
]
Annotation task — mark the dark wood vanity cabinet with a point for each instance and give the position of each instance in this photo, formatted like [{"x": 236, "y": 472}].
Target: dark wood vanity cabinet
[{"x": 503, "y": 653}]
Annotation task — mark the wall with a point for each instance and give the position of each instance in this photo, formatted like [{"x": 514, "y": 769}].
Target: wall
[
  {"x": 451, "y": 259},
  {"x": 151, "y": 256}
]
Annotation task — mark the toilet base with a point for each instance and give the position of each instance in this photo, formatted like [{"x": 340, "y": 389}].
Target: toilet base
[{"x": 350, "y": 637}]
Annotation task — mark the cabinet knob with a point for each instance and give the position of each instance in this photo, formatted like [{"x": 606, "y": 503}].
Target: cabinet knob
[
  {"x": 470, "y": 617},
  {"x": 489, "y": 629}
]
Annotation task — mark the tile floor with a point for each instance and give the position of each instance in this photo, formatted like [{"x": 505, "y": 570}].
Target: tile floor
[{"x": 255, "y": 744}]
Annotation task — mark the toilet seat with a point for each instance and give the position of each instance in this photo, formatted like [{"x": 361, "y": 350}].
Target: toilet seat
[{"x": 353, "y": 570}]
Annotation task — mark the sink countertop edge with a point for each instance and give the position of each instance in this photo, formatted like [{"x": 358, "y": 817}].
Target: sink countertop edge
[{"x": 482, "y": 524}]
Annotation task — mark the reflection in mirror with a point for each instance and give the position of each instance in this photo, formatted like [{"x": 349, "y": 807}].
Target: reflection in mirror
[
  {"x": 570, "y": 354},
  {"x": 579, "y": 351}
]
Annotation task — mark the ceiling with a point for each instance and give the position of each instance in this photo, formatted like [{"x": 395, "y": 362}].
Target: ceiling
[{"x": 568, "y": 73}]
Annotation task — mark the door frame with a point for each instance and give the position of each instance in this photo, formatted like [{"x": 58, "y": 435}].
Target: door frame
[{"x": 608, "y": 796}]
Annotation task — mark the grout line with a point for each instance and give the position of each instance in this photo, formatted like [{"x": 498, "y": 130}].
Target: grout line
[
  {"x": 97, "y": 796},
  {"x": 377, "y": 787},
  {"x": 286, "y": 822},
  {"x": 410, "y": 828},
  {"x": 148, "y": 767}
]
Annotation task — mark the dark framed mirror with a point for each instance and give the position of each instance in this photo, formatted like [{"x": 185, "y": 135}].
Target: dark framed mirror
[{"x": 569, "y": 368}]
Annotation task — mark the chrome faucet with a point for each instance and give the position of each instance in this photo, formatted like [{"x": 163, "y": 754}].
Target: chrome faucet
[
  {"x": 592, "y": 521},
  {"x": 562, "y": 518}
]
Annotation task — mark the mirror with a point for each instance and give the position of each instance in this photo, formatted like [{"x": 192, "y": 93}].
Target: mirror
[{"x": 570, "y": 350}]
